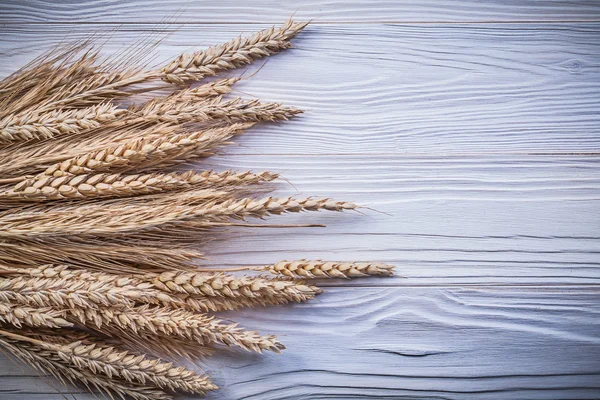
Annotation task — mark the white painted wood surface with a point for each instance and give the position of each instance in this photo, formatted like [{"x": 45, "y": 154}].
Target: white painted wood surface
[
  {"x": 273, "y": 11},
  {"x": 472, "y": 128}
]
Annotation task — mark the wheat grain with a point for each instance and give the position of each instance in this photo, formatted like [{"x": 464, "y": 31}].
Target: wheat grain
[
  {"x": 327, "y": 269},
  {"x": 233, "y": 54}
]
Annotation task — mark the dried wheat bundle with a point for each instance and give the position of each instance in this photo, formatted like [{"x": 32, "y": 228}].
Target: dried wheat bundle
[{"x": 102, "y": 214}]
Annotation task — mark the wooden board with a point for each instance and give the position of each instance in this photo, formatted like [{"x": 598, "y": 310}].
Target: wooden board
[
  {"x": 414, "y": 343},
  {"x": 274, "y": 11},
  {"x": 472, "y": 131}
]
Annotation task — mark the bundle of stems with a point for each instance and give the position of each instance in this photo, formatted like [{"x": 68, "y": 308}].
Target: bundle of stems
[{"x": 102, "y": 214}]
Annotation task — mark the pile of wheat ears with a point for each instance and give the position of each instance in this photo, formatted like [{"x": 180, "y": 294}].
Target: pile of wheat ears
[{"x": 99, "y": 224}]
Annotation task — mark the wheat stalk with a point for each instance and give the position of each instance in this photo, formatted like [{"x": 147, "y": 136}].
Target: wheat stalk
[
  {"x": 233, "y": 54},
  {"x": 105, "y": 255}
]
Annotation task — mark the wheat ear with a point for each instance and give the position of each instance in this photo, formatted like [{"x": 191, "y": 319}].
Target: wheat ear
[
  {"x": 234, "y": 110},
  {"x": 147, "y": 139},
  {"x": 193, "y": 211},
  {"x": 244, "y": 288},
  {"x": 89, "y": 186},
  {"x": 327, "y": 269},
  {"x": 233, "y": 54},
  {"x": 116, "y": 363},
  {"x": 35, "y": 126},
  {"x": 61, "y": 287},
  {"x": 144, "y": 153},
  {"x": 200, "y": 328},
  {"x": 240, "y": 208},
  {"x": 104, "y": 291},
  {"x": 48, "y": 361}
]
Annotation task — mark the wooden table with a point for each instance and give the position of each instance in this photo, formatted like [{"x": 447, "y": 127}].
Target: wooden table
[{"x": 471, "y": 128}]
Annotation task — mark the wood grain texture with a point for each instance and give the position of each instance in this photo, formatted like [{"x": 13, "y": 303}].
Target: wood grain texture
[
  {"x": 413, "y": 90},
  {"x": 473, "y": 131},
  {"x": 273, "y": 11},
  {"x": 414, "y": 343}
]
